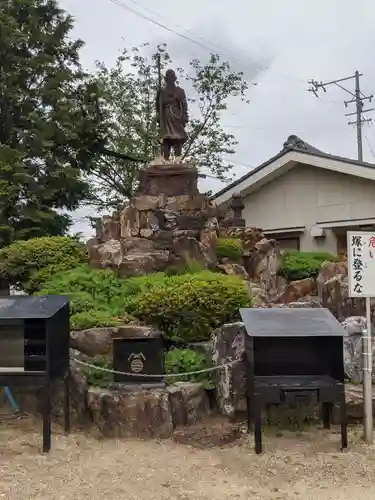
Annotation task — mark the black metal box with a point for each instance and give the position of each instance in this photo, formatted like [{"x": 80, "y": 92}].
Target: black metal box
[
  {"x": 34, "y": 336},
  {"x": 139, "y": 360},
  {"x": 293, "y": 342},
  {"x": 34, "y": 348},
  {"x": 293, "y": 356}
]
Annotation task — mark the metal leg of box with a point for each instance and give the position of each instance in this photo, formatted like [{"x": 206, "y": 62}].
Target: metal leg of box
[
  {"x": 46, "y": 415},
  {"x": 258, "y": 425},
  {"x": 344, "y": 423},
  {"x": 67, "y": 403},
  {"x": 327, "y": 410},
  {"x": 248, "y": 414},
  {"x": 249, "y": 394}
]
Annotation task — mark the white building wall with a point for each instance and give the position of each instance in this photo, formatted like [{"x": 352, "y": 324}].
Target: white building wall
[{"x": 306, "y": 196}]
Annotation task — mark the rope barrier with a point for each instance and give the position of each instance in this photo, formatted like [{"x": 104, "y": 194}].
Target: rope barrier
[{"x": 154, "y": 375}]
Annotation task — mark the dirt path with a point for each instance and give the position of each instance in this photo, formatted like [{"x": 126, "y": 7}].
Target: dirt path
[{"x": 305, "y": 467}]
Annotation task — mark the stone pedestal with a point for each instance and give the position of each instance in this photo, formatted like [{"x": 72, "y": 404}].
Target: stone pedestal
[
  {"x": 168, "y": 223},
  {"x": 169, "y": 179}
]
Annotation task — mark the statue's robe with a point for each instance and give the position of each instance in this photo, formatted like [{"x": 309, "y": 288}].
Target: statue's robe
[{"x": 171, "y": 106}]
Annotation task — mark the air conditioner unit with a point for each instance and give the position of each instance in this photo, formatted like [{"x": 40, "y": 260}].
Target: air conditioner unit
[{"x": 317, "y": 232}]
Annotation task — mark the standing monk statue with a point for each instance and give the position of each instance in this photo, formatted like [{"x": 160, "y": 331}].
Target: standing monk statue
[{"x": 172, "y": 116}]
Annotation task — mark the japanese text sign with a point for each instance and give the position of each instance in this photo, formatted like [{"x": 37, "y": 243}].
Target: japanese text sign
[{"x": 361, "y": 264}]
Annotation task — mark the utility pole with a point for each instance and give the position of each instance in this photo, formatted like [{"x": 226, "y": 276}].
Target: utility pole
[
  {"x": 358, "y": 113},
  {"x": 357, "y": 97}
]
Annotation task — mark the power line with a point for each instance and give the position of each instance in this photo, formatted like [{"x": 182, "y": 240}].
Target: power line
[
  {"x": 370, "y": 147},
  {"x": 157, "y": 23},
  {"x": 357, "y": 97},
  {"x": 371, "y": 126},
  {"x": 205, "y": 45},
  {"x": 204, "y": 40},
  {"x": 202, "y": 44},
  {"x": 239, "y": 163}
]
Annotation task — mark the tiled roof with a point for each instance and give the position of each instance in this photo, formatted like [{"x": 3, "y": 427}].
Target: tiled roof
[{"x": 293, "y": 143}]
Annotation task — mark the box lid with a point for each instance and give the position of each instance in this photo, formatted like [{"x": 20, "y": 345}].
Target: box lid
[
  {"x": 290, "y": 322},
  {"x": 31, "y": 307}
]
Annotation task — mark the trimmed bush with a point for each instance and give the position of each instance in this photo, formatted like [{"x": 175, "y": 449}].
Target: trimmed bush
[
  {"x": 138, "y": 284},
  {"x": 188, "y": 307},
  {"x": 27, "y": 264},
  {"x": 98, "y": 297},
  {"x": 95, "y": 318},
  {"x": 100, "y": 288},
  {"x": 95, "y": 296},
  {"x": 102, "y": 284},
  {"x": 187, "y": 360},
  {"x": 79, "y": 302},
  {"x": 230, "y": 248},
  {"x": 296, "y": 265},
  {"x": 39, "y": 278}
]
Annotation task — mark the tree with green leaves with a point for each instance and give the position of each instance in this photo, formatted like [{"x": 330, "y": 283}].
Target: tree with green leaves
[
  {"x": 129, "y": 91},
  {"x": 50, "y": 122}
]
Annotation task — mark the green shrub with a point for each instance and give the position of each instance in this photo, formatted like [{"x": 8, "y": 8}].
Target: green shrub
[
  {"x": 139, "y": 284},
  {"x": 27, "y": 264},
  {"x": 97, "y": 297},
  {"x": 80, "y": 302},
  {"x": 98, "y": 378},
  {"x": 188, "y": 307},
  {"x": 296, "y": 265},
  {"x": 187, "y": 360},
  {"x": 39, "y": 278},
  {"x": 86, "y": 285},
  {"x": 230, "y": 248},
  {"x": 94, "y": 318}
]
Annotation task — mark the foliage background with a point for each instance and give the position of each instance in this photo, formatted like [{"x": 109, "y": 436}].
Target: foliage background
[
  {"x": 129, "y": 91},
  {"x": 49, "y": 120}
]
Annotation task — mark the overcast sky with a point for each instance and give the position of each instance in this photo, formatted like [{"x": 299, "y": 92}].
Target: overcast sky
[{"x": 294, "y": 40}]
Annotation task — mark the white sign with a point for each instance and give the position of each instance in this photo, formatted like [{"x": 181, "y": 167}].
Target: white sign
[{"x": 361, "y": 264}]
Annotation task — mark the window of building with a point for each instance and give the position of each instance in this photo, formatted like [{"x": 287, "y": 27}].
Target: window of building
[{"x": 288, "y": 243}]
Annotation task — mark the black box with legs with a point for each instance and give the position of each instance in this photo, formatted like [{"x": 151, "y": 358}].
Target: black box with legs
[
  {"x": 34, "y": 349},
  {"x": 293, "y": 356}
]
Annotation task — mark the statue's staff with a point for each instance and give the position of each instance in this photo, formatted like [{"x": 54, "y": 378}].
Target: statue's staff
[{"x": 160, "y": 102}]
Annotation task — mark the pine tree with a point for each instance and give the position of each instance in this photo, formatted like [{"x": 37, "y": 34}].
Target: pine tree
[{"x": 49, "y": 120}]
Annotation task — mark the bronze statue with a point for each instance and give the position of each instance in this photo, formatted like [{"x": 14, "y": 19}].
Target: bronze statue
[{"x": 172, "y": 116}]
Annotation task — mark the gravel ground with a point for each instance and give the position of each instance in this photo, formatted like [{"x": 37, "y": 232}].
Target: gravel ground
[{"x": 306, "y": 466}]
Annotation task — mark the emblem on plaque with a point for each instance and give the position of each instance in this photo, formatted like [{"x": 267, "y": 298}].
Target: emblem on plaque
[{"x": 136, "y": 362}]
